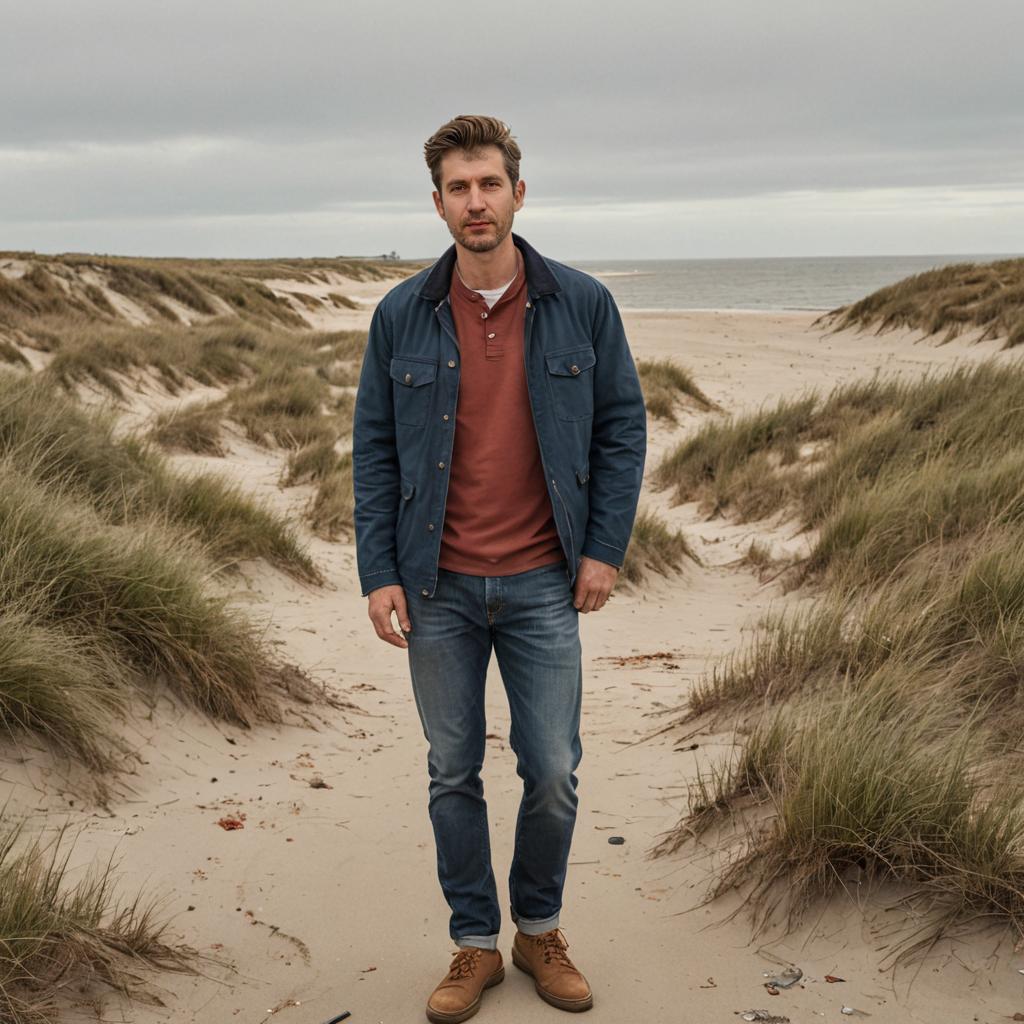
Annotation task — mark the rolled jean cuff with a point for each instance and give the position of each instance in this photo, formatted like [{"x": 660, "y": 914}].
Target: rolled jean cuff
[
  {"x": 528, "y": 927},
  {"x": 479, "y": 941}
]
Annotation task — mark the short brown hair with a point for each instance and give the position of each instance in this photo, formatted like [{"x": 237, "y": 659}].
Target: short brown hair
[{"x": 470, "y": 132}]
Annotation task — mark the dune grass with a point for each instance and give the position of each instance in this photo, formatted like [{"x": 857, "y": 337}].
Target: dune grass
[
  {"x": 879, "y": 467},
  {"x": 54, "y": 932},
  {"x": 196, "y": 427},
  {"x": 283, "y": 405},
  {"x": 987, "y": 297},
  {"x": 331, "y": 510},
  {"x": 654, "y": 547},
  {"x": 885, "y": 715},
  {"x": 665, "y": 383},
  {"x": 875, "y": 785},
  {"x": 139, "y": 591},
  {"x": 50, "y": 437},
  {"x": 108, "y": 557}
]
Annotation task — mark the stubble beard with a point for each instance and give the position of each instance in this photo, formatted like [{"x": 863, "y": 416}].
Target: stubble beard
[{"x": 469, "y": 241}]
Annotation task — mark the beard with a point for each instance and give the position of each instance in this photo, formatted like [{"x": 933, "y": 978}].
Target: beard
[{"x": 485, "y": 243}]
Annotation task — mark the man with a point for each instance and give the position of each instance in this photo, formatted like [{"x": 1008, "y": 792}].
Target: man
[{"x": 498, "y": 450}]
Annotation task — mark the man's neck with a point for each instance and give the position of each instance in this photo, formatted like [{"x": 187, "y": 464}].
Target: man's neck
[{"x": 488, "y": 269}]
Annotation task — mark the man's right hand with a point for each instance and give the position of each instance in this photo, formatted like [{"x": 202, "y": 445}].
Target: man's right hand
[{"x": 383, "y": 601}]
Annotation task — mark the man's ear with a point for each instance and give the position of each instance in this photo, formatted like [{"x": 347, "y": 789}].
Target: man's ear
[
  {"x": 519, "y": 194},
  {"x": 438, "y": 204}
]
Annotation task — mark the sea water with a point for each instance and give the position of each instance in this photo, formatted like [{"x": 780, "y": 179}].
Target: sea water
[{"x": 813, "y": 283}]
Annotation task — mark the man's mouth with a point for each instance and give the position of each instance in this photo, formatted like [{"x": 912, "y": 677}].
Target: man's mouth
[{"x": 478, "y": 223}]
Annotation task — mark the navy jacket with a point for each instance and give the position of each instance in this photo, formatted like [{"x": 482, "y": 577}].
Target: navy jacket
[{"x": 588, "y": 411}]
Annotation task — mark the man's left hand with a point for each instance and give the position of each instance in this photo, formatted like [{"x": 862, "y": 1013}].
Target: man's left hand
[{"x": 594, "y": 582}]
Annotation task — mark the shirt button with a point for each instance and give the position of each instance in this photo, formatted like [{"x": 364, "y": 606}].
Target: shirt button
[
  {"x": 408, "y": 378},
  {"x": 430, "y": 526},
  {"x": 574, "y": 369},
  {"x": 445, "y": 417},
  {"x": 451, "y": 363},
  {"x": 490, "y": 335},
  {"x": 440, "y": 465},
  {"x": 483, "y": 316}
]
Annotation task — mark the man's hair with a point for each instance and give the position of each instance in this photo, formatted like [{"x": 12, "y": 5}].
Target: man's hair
[{"x": 471, "y": 132}]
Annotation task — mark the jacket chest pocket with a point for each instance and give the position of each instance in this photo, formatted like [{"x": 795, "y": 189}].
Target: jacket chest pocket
[
  {"x": 412, "y": 384},
  {"x": 571, "y": 377}
]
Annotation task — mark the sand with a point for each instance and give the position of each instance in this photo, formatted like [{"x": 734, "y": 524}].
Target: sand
[{"x": 327, "y": 900}]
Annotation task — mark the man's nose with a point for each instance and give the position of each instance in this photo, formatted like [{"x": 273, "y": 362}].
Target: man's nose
[{"x": 476, "y": 198}]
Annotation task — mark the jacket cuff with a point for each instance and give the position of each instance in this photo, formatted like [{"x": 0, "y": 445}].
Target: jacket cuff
[
  {"x": 382, "y": 578},
  {"x": 603, "y": 552}
]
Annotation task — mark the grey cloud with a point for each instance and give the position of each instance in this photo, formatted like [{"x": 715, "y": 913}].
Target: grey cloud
[{"x": 308, "y": 106}]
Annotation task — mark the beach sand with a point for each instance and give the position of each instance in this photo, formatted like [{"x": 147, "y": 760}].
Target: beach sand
[{"x": 327, "y": 900}]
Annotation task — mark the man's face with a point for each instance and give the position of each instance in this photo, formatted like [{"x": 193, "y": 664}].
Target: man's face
[{"x": 477, "y": 200}]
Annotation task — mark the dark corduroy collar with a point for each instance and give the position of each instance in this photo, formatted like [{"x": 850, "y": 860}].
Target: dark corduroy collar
[{"x": 539, "y": 279}]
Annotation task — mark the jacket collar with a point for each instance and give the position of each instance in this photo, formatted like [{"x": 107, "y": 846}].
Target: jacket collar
[{"x": 539, "y": 278}]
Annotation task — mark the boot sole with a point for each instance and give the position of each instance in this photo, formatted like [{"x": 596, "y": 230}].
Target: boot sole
[
  {"x": 439, "y": 1017},
  {"x": 572, "y": 1005}
]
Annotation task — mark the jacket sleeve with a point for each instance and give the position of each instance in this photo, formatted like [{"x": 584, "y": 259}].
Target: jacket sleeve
[
  {"x": 618, "y": 444},
  {"x": 375, "y": 472}
]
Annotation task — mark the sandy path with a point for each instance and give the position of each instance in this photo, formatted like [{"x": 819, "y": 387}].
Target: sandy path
[{"x": 327, "y": 900}]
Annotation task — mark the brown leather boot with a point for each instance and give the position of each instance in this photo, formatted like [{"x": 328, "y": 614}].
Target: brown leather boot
[
  {"x": 458, "y": 996},
  {"x": 554, "y": 977}
]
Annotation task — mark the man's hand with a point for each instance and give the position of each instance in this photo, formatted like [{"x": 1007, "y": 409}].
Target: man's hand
[
  {"x": 594, "y": 582},
  {"x": 383, "y": 601}
]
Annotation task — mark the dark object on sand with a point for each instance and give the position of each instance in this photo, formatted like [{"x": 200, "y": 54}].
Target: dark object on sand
[
  {"x": 339, "y": 1018},
  {"x": 616, "y": 840},
  {"x": 787, "y": 979}
]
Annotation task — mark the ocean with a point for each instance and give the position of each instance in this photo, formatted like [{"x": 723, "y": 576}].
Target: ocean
[{"x": 817, "y": 283}]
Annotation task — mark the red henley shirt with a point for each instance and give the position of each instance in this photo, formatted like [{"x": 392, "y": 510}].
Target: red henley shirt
[{"x": 498, "y": 518}]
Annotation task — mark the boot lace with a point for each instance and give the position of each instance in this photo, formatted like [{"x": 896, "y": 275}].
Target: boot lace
[
  {"x": 554, "y": 945},
  {"x": 464, "y": 964}
]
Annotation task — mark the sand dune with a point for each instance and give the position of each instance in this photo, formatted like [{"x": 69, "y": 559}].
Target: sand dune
[{"x": 327, "y": 899}]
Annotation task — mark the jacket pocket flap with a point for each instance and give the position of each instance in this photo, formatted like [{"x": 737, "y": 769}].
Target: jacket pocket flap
[
  {"x": 413, "y": 372},
  {"x": 408, "y": 488},
  {"x": 571, "y": 362}
]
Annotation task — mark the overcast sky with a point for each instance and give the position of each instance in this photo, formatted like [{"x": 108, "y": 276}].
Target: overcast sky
[{"x": 649, "y": 128}]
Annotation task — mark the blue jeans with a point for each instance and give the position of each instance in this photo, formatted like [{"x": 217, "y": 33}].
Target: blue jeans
[{"x": 530, "y": 620}]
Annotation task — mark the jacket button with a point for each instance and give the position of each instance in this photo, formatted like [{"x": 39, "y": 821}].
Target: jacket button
[
  {"x": 574, "y": 369},
  {"x": 408, "y": 378},
  {"x": 424, "y": 592},
  {"x": 445, "y": 417},
  {"x": 528, "y": 306},
  {"x": 451, "y": 363},
  {"x": 483, "y": 316},
  {"x": 430, "y": 526},
  {"x": 440, "y": 465}
]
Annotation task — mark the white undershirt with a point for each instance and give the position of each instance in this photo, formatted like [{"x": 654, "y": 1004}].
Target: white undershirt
[{"x": 491, "y": 295}]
